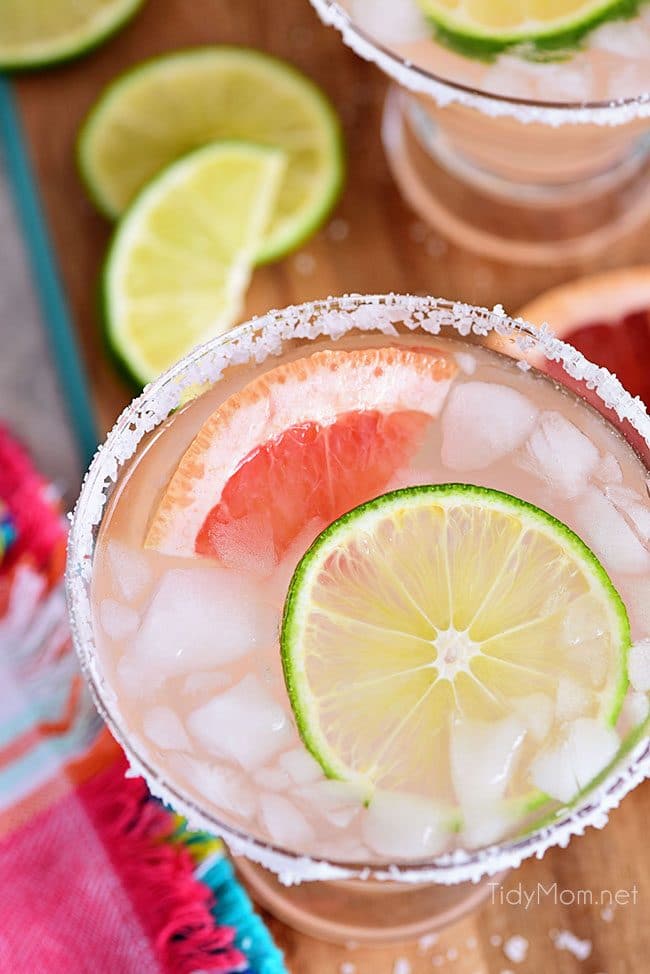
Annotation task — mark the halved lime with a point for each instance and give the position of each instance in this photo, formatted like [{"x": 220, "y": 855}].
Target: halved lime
[
  {"x": 499, "y": 25},
  {"x": 164, "y": 108},
  {"x": 181, "y": 258},
  {"x": 39, "y": 32},
  {"x": 434, "y": 632}
]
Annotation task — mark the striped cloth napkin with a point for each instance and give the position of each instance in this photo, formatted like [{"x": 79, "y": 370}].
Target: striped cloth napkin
[{"x": 95, "y": 875}]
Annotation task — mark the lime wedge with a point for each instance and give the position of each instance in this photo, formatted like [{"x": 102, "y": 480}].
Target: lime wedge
[
  {"x": 494, "y": 26},
  {"x": 434, "y": 632},
  {"x": 181, "y": 258},
  {"x": 39, "y": 32},
  {"x": 162, "y": 109}
]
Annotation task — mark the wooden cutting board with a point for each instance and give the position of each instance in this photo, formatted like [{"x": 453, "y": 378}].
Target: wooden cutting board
[{"x": 376, "y": 245}]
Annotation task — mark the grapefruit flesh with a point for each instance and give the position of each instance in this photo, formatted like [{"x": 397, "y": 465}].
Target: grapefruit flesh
[{"x": 302, "y": 444}]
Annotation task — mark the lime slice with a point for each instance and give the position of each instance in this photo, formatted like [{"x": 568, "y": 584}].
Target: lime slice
[
  {"x": 160, "y": 110},
  {"x": 181, "y": 257},
  {"x": 38, "y": 32},
  {"x": 434, "y": 631},
  {"x": 499, "y": 25}
]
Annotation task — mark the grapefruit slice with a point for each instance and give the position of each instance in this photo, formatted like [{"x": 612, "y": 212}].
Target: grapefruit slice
[
  {"x": 607, "y": 318},
  {"x": 302, "y": 444}
]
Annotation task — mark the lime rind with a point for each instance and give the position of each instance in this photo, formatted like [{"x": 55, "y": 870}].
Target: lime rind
[
  {"x": 298, "y": 599},
  {"x": 131, "y": 364},
  {"x": 43, "y": 52},
  {"x": 293, "y": 232},
  {"x": 547, "y": 43}
]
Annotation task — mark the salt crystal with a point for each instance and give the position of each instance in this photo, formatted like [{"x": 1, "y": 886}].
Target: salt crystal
[
  {"x": 165, "y": 728},
  {"x": 452, "y": 953},
  {"x": 305, "y": 264},
  {"x": 245, "y": 724},
  {"x": 428, "y": 941},
  {"x": 284, "y": 823},
  {"x": 638, "y": 666},
  {"x": 516, "y": 949},
  {"x": 565, "y": 940},
  {"x": 607, "y": 914},
  {"x": 560, "y": 454},
  {"x": 338, "y": 230},
  {"x": 130, "y": 569},
  {"x": 118, "y": 621},
  {"x": 483, "y": 422},
  {"x": 496, "y": 940},
  {"x": 347, "y": 967},
  {"x": 402, "y": 966}
]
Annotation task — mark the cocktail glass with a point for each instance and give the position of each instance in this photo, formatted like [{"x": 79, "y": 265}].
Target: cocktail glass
[
  {"x": 368, "y": 902},
  {"x": 537, "y": 181}
]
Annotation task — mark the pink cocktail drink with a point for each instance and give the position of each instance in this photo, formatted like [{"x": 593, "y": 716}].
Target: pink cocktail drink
[{"x": 180, "y": 629}]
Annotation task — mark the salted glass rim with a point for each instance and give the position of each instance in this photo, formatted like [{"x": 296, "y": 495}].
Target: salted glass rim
[
  {"x": 446, "y": 91},
  {"x": 255, "y": 341}
]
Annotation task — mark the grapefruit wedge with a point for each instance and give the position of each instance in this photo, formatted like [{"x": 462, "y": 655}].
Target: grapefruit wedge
[
  {"x": 607, "y": 318},
  {"x": 299, "y": 446}
]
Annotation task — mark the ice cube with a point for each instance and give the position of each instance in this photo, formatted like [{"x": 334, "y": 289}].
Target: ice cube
[
  {"x": 560, "y": 454},
  {"x": 206, "y": 681},
  {"x": 390, "y": 22},
  {"x": 337, "y": 801},
  {"x": 586, "y": 748},
  {"x": 245, "y": 724},
  {"x": 638, "y": 666},
  {"x": 284, "y": 823},
  {"x": 536, "y": 713},
  {"x": 623, "y": 39},
  {"x": 165, "y": 728},
  {"x": 482, "y": 422},
  {"x": 632, "y": 506},
  {"x": 405, "y": 826},
  {"x": 572, "y": 699},
  {"x": 483, "y": 757},
  {"x": 301, "y": 766},
  {"x": 224, "y": 787},
  {"x": 635, "y": 592},
  {"x": 273, "y": 779},
  {"x": 634, "y": 711},
  {"x": 607, "y": 532},
  {"x": 130, "y": 569},
  {"x": 484, "y": 825},
  {"x": 200, "y": 618},
  {"x": 118, "y": 620},
  {"x": 134, "y": 681},
  {"x": 609, "y": 470}
]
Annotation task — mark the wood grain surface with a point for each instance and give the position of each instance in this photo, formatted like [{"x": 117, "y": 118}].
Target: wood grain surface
[{"x": 376, "y": 244}]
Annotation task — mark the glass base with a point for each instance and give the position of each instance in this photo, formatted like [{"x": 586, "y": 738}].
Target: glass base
[
  {"x": 492, "y": 205},
  {"x": 368, "y": 913}
]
